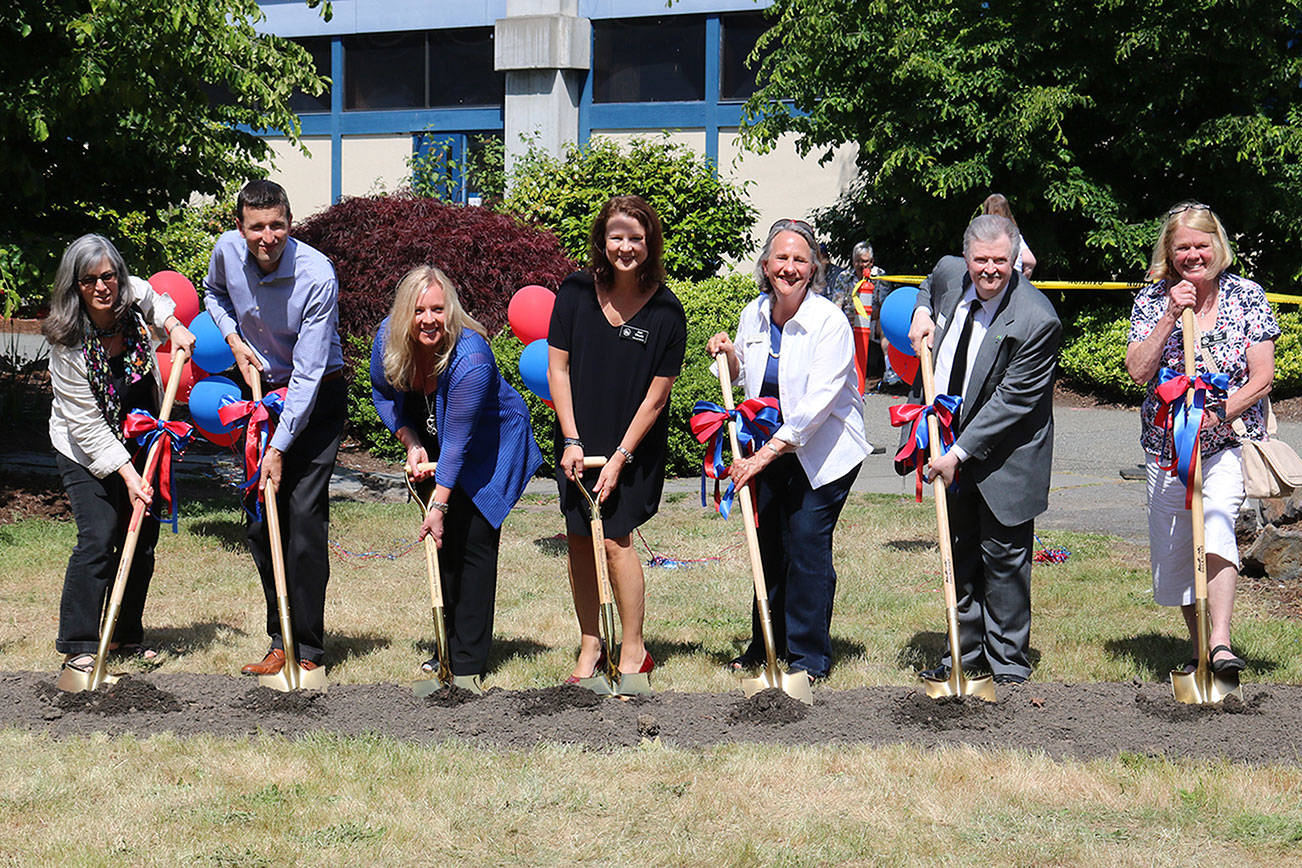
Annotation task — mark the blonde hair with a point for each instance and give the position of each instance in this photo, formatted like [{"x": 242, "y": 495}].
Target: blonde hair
[
  {"x": 1201, "y": 218},
  {"x": 400, "y": 348}
]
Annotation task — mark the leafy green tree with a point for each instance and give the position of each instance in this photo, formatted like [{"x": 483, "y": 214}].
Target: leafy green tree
[
  {"x": 705, "y": 219},
  {"x": 1092, "y": 116},
  {"x": 132, "y": 106}
]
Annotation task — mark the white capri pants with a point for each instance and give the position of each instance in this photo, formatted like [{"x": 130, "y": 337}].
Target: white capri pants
[{"x": 1170, "y": 528}]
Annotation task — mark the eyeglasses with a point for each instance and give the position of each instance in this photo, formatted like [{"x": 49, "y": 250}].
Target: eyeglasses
[
  {"x": 1187, "y": 206},
  {"x": 110, "y": 278}
]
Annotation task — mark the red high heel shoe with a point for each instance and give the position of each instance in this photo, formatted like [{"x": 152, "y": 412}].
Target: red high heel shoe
[
  {"x": 647, "y": 665},
  {"x": 597, "y": 667}
]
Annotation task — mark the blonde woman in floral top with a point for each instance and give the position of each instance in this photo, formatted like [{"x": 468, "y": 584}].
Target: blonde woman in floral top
[{"x": 1238, "y": 332}]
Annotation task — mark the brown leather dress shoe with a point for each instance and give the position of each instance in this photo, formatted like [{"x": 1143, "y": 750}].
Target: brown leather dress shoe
[
  {"x": 308, "y": 665},
  {"x": 269, "y": 665}
]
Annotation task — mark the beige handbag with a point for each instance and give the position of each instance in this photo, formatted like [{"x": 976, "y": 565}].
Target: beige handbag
[{"x": 1270, "y": 467}]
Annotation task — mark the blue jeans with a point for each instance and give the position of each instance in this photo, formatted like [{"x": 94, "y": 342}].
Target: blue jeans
[{"x": 795, "y": 538}]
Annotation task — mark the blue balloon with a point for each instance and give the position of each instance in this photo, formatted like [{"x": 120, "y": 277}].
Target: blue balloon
[
  {"x": 896, "y": 316},
  {"x": 211, "y": 352},
  {"x": 533, "y": 369},
  {"x": 207, "y": 397}
]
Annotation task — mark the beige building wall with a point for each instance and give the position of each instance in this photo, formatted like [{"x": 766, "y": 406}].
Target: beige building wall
[
  {"x": 375, "y": 164},
  {"x": 784, "y": 184},
  {"x": 692, "y": 138},
  {"x": 305, "y": 179}
]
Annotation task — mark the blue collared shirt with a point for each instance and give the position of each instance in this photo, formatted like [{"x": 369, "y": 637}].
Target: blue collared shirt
[{"x": 290, "y": 318}]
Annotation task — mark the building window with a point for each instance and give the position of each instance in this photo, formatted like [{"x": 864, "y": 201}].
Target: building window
[
  {"x": 461, "y": 69},
  {"x": 649, "y": 60},
  {"x": 740, "y": 33},
  {"x": 300, "y": 102},
  {"x": 384, "y": 71}
]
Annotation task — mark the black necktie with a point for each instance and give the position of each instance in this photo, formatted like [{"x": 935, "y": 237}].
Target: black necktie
[{"x": 958, "y": 370}]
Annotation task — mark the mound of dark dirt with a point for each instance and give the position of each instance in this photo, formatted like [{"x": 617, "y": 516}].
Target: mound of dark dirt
[
  {"x": 450, "y": 696},
  {"x": 1061, "y": 720}
]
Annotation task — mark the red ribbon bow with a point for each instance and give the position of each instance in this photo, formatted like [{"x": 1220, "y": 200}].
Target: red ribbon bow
[{"x": 175, "y": 436}]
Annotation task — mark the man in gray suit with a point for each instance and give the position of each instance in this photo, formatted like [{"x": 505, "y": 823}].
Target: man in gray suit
[{"x": 997, "y": 338}]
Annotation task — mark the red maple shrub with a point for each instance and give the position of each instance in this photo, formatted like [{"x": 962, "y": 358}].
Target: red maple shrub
[{"x": 374, "y": 240}]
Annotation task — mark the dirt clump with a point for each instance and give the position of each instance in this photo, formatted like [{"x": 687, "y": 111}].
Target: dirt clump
[
  {"x": 450, "y": 696},
  {"x": 1167, "y": 709},
  {"x": 770, "y": 706},
  {"x": 948, "y": 712},
  {"x": 554, "y": 700},
  {"x": 647, "y": 726},
  {"x": 265, "y": 700},
  {"x": 127, "y": 696}
]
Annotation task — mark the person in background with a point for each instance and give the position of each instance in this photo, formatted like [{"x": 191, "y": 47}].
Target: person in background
[
  {"x": 102, "y": 367},
  {"x": 616, "y": 344},
  {"x": 795, "y": 346},
  {"x": 435, "y": 385},
  {"x": 1190, "y": 269},
  {"x": 997, "y": 204}
]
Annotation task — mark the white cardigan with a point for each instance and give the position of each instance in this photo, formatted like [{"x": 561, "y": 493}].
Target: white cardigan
[
  {"x": 78, "y": 429},
  {"x": 822, "y": 410}
]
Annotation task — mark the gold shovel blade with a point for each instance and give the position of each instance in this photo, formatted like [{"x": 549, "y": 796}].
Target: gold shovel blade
[
  {"x": 634, "y": 684},
  {"x": 600, "y": 685},
  {"x": 72, "y": 681},
  {"x": 428, "y": 687},
  {"x": 307, "y": 680},
  {"x": 793, "y": 684},
  {"x": 982, "y": 687},
  {"x": 1212, "y": 688}
]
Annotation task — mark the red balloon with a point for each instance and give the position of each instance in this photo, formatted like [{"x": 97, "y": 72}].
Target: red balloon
[
  {"x": 530, "y": 312},
  {"x": 188, "y": 378},
  {"x": 227, "y": 439},
  {"x": 905, "y": 366},
  {"x": 179, "y": 289}
]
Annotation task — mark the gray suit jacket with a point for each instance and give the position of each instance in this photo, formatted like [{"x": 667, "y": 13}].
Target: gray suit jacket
[{"x": 1006, "y": 421}]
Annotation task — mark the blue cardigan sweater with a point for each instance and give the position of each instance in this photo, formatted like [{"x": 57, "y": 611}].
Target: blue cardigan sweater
[{"x": 486, "y": 443}]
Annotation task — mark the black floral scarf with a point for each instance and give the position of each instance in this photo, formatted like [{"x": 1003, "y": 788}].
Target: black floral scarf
[{"x": 139, "y": 355}]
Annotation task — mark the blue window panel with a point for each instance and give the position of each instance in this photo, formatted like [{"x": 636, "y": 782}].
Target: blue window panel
[
  {"x": 399, "y": 121},
  {"x": 453, "y": 151}
]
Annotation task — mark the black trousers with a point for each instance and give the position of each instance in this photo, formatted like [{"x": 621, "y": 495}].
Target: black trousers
[
  {"x": 796, "y": 523},
  {"x": 303, "y": 501},
  {"x": 992, "y": 573},
  {"x": 102, "y": 510},
  {"x": 468, "y": 566}
]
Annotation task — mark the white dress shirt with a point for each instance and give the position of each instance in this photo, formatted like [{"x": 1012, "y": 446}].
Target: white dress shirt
[
  {"x": 985, "y": 315},
  {"x": 822, "y": 410}
]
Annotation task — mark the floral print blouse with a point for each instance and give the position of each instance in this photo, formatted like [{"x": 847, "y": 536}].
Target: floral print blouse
[{"x": 1243, "y": 318}]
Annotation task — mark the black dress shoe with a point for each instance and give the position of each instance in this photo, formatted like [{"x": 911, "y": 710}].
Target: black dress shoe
[
  {"x": 1009, "y": 678},
  {"x": 940, "y": 673}
]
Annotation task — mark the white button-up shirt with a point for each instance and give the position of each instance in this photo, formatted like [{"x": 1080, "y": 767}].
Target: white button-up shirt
[{"x": 822, "y": 410}]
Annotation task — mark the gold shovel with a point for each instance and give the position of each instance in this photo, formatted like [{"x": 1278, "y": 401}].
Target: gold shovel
[
  {"x": 611, "y": 682},
  {"x": 1203, "y": 686},
  {"x": 957, "y": 684},
  {"x": 291, "y": 676},
  {"x": 423, "y": 492},
  {"x": 793, "y": 684},
  {"x": 72, "y": 680}
]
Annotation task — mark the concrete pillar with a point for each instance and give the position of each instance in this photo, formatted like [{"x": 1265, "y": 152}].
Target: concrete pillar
[{"x": 544, "y": 48}]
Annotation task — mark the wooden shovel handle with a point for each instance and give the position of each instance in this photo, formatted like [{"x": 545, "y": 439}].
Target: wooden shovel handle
[{"x": 938, "y": 487}]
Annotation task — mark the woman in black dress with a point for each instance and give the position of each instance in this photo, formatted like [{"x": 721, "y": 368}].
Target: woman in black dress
[{"x": 616, "y": 343}]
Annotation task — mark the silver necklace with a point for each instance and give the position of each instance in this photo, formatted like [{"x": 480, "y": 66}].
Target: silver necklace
[{"x": 431, "y": 423}]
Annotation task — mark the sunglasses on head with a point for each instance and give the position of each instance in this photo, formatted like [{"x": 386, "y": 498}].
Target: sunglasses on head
[{"x": 1187, "y": 206}]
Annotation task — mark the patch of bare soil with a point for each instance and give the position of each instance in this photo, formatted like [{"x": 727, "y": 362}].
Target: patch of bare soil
[
  {"x": 28, "y": 496},
  {"x": 1061, "y": 720}
]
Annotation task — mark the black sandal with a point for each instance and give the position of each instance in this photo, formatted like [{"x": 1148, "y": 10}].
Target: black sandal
[
  {"x": 1233, "y": 663},
  {"x": 430, "y": 665},
  {"x": 84, "y": 662},
  {"x": 745, "y": 663},
  {"x": 136, "y": 651}
]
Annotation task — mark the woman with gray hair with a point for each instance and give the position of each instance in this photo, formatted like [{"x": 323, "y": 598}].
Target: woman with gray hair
[
  {"x": 795, "y": 346},
  {"x": 102, "y": 367}
]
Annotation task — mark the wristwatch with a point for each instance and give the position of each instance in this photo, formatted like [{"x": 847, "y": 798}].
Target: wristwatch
[
  {"x": 628, "y": 456},
  {"x": 572, "y": 441},
  {"x": 441, "y": 507}
]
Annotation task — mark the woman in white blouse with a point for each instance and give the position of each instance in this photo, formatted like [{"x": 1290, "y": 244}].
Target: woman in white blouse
[
  {"x": 794, "y": 345},
  {"x": 102, "y": 367}
]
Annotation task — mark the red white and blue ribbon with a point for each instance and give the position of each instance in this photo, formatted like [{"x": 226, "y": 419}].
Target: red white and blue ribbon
[
  {"x": 258, "y": 418},
  {"x": 913, "y": 454},
  {"x": 1181, "y": 421},
  {"x": 146, "y": 428},
  {"x": 757, "y": 419}
]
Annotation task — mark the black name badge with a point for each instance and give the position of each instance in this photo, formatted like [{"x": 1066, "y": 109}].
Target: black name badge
[
  {"x": 633, "y": 333},
  {"x": 1211, "y": 339}
]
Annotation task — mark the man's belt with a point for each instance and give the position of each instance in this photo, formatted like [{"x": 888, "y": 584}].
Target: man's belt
[{"x": 270, "y": 386}]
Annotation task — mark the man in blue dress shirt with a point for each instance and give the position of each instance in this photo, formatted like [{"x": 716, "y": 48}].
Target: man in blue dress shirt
[{"x": 274, "y": 299}]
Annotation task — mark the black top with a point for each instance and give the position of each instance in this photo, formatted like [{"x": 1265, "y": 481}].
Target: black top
[
  {"x": 139, "y": 395},
  {"x": 611, "y": 369}
]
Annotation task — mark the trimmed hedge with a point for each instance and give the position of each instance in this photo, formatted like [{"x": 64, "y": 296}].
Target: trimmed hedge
[
  {"x": 1093, "y": 357},
  {"x": 711, "y": 305}
]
